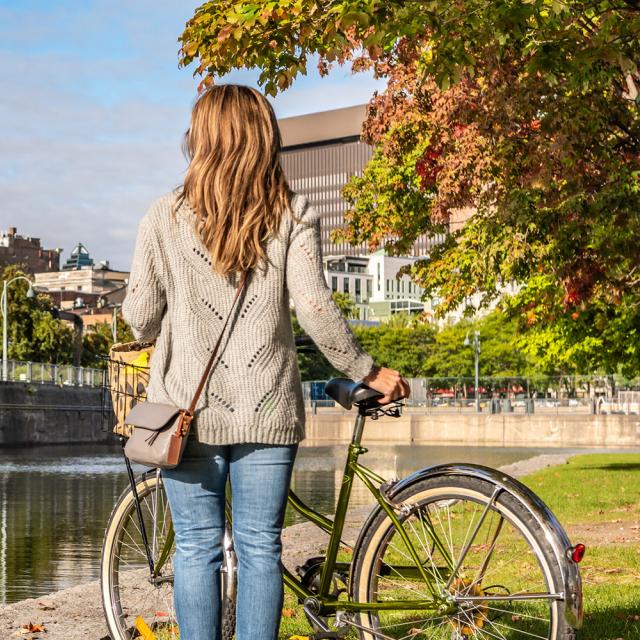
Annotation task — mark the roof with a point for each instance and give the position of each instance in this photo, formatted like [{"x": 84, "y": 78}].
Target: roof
[{"x": 336, "y": 125}]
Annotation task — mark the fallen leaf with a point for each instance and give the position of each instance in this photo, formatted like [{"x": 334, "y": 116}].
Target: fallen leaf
[
  {"x": 288, "y": 613},
  {"x": 143, "y": 629},
  {"x": 32, "y": 628},
  {"x": 631, "y": 616}
]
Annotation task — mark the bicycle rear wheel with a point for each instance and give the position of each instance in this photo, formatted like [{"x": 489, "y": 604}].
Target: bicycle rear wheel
[
  {"x": 490, "y": 573},
  {"x": 129, "y": 592}
]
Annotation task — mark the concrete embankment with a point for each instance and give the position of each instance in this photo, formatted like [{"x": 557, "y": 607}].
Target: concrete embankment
[
  {"x": 471, "y": 429},
  {"x": 76, "y": 613},
  {"x": 49, "y": 414}
]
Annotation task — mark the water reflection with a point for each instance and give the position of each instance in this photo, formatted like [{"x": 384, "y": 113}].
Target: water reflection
[{"x": 55, "y": 502}]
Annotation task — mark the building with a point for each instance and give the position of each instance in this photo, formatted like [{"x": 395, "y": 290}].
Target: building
[
  {"x": 79, "y": 258},
  {"x": 84, "y": 285},
  {"x": 321, "y": 152},
  {"x": 27, "y": 251},
  {"x": 392, "y": 292},
  {"x": 349, "y": 275},
  {"x": 375, "y": 284}
]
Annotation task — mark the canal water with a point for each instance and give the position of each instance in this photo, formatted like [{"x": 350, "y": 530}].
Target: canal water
[{"x": 55, "y": 501}]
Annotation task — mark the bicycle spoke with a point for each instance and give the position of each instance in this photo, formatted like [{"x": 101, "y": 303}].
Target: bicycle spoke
[
  {"x": 527, "y": 633},
  {"x": 519, "y": 614},
  {"x": 468, "y": 544},
  {"x": 433, "y": 571}
]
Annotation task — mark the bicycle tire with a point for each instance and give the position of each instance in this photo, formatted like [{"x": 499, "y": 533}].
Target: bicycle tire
[
  {"x": 121, "y": 598},
  {"x": 508, "y": 556}
]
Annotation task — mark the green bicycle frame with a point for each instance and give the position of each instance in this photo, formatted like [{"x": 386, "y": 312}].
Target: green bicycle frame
[{"x": 328, "y": 603}]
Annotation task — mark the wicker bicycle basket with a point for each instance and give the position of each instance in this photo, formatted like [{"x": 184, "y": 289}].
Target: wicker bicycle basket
[{"x": 128, "y": 368}]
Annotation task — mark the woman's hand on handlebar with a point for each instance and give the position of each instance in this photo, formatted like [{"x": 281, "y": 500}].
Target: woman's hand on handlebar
[{"x": 389, "y": 382}]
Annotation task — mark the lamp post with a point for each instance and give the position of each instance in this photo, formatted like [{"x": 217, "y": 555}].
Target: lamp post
[
  {"x": 476, "y": 353},
  {"x": 30, "y": 294}
]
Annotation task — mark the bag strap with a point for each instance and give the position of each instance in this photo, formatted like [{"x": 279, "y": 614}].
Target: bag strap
[{"x": 196, "y": 396}]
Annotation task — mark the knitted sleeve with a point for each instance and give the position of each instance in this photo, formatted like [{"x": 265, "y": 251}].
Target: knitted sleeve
[
  {"x": 315, "y": 308},
  {"x": 145, "y": 302}
]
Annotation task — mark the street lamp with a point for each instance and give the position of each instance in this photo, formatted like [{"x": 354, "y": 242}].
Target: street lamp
[
  {"x": 476, "y": 353},
  {"x": 102, "y": 302},
  {"x": 30, "y": 294}
]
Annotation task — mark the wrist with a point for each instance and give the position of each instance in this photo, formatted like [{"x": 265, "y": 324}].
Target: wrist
[{"x": 373, "y": 372}]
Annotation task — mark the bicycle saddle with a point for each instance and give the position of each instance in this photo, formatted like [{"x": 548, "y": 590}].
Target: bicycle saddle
[{"x": 346, "y": 392}]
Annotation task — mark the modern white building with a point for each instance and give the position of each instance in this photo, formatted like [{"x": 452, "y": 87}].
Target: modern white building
[
  {"x": 374, "y": 283},
  {"x": 348, "y": 274}
]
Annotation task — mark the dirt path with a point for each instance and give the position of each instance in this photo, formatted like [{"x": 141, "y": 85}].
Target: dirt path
[{"x": 76, "y": 613}]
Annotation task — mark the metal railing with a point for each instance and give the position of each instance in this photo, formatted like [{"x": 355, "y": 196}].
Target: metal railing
[
  {"x": 559, "y": 394},
  {"x": 546, "y": 395},
  {"x": 60, "y": 374}
]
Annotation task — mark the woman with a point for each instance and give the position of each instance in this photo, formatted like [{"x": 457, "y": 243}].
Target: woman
[{"x": 235, "y": 214}]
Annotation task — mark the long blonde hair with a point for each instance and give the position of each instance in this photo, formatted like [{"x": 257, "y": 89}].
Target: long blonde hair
[{"x": 234, "y": 182}]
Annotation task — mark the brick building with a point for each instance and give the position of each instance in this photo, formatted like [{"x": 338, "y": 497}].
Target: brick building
[{"x": 27, "y": 251}]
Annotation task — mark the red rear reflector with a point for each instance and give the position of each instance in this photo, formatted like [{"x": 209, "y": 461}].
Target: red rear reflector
[{"x": 576, "y": 553}]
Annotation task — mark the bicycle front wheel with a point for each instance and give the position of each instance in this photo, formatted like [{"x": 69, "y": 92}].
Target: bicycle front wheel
[
  {"x": 132, "y": 597},
  {"x": 466, "y": 562}
]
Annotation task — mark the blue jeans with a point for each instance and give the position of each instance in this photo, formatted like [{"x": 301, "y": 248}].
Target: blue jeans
[{"x": 260, "y": 476}]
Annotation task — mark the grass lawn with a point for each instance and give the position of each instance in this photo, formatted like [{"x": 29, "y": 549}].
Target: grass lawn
[{"x": 597, "y": 499}]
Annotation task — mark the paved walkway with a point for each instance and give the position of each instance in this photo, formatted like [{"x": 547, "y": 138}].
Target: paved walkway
[{"x": 76, "y": 613}]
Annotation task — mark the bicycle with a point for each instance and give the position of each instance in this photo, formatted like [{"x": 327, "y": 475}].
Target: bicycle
[{"x": 452, "y": 551}]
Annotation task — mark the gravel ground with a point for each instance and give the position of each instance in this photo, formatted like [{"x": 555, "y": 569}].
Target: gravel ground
[{"x": 76, "y": 613}]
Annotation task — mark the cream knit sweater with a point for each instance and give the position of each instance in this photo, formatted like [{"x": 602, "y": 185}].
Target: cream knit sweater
[{"x": 176, "y": 298}]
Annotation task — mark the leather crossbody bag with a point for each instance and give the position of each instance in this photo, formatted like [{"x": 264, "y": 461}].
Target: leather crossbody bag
[{"x": 160, "y": 430}]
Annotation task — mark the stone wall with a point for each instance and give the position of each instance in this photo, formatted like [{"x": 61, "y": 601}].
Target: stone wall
[
  {"x": 505, "y": 430},
  {"x": 49, "y": 414}
]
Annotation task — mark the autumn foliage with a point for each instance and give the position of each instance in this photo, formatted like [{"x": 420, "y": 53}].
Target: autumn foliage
[{"x": 524, "y": 114}]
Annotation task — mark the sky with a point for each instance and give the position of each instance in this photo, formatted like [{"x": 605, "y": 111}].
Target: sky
[{"x": 93, "y": 108}]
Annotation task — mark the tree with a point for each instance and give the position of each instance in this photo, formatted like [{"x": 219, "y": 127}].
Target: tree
[
  {"x": 96, "y": 343},
  {"x": 399, "y": 345},
  {"x": 500, "y": 356},
  {"x": 32, "y": 333},
  {"x": 312, "y": 364},
  {"x": 523, "y": 114},
  {"x": 346, "y": 304}
]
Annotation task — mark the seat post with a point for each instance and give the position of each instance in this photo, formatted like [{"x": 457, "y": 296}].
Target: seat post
[{"x": 359, "y": 426}]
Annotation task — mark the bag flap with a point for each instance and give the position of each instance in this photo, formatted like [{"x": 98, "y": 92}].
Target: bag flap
[{"x": 151, "y": 415}]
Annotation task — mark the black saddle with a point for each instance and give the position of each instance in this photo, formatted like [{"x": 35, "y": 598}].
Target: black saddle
[{"x": 346, "y": 392}]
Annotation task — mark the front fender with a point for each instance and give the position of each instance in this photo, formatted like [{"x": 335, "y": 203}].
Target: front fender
[{"x": 554, "y": 533}]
